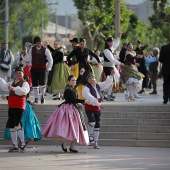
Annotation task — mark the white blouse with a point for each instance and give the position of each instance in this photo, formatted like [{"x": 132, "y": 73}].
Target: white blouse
[
  {"x": 103, "y": 85},
  {"x": 20, "y": 91}
]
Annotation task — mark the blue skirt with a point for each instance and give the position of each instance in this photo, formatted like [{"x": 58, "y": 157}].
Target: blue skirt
[{"x": 30, "y": 124}]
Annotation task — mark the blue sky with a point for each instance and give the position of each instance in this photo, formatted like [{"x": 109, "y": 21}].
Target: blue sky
[{"x": 68, "y": 5}]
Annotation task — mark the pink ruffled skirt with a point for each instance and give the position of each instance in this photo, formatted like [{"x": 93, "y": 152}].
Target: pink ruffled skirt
[{"x": 65, "y": 124}]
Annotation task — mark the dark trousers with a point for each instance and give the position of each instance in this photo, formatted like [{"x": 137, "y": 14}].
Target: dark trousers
[
  {"x": 166, "y": 88},
  {"x": 14, "y": 117},
  {"x": 154, "y": 77},
  {"x": 94, "y": 116},
  {"x": 50, "y": 75},
  {"x": 107, "y": 70},
  {"x": 39, "y": 77}
]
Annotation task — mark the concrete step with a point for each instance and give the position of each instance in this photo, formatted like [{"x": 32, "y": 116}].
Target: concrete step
[
  {"x": 135, "y": 128},
  {"x": 124, "y": 128},
  {"x": 135, "y": 136},
  {"x": 121, "y": 125},
  {"x": 108, "y": 114},
  {"x": 114, "y": 121},
  {"x": 127, "y": 135},
  {"x": 135, "y": 143},
  {"x": 107, "y": 107}
]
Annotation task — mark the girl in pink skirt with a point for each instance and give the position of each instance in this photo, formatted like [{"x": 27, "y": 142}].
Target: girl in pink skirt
[{"x": 67, "y": 121}]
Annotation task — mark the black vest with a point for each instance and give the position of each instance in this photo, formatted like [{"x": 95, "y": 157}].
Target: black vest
[{"x": 105, "y": 58}]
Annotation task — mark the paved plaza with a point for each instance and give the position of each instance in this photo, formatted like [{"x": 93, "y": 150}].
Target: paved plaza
[
  {"x": 146, "y": 99},
  {"x": 111, "y": 158}
]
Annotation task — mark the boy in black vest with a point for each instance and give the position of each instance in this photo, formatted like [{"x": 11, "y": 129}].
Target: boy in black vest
[{"x": 92, "y": 92}]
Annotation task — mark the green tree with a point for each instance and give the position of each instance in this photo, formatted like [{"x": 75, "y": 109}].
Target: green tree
[
  {"x": 29, "y": 14},
  {"x": 161, "y": 18},
  {"x": 98, "y": 19}
]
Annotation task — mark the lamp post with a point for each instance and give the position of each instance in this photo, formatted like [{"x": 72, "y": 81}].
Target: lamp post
[{"x": 117, "y": 18}]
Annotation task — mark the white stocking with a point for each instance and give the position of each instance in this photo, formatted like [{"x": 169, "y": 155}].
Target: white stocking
[
  {"x": 35, "y": 90},
  {"x": 14, "y": 138},
  {"x": 21, "y": 136},
  {"x": 130, "y": 89},
  {"x": 72, "y": 145},
  {"x": 109, "y": 91},
  {"x": 96, "y": 134},
  {"x": 42, "y": 91}
]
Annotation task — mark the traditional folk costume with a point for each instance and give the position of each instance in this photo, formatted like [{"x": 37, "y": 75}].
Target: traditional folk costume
[
  {"x": 30, "y": 124},
  {"x": 23, "y": 60},
  {"x": 55, "y": 54},
  {"x": 16, "y": 103},
  {"x": 6, "y": 59},
  {"x": 97, "y": 70},
  {"x": 131, "y": 78},
  {"x": 109, "y": 63},
  {"x": 27, "y": 68},
  {"x": 60, "y": 73},
  {"x": 67, "y": 121},
  {"x": 82, "y": 60},
  {"x": 42, "y": 62},
  {"x": 93, "y": 93}
]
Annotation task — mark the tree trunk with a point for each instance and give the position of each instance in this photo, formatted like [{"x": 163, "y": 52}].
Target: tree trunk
[{"x": 89, "y": 39}]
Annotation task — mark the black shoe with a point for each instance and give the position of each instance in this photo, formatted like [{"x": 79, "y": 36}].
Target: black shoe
[
  {"x": 73, "y": 150},
  {"x": 42, "y": 100},
  {"x": 14, "y": 149},
  {"x": 96, "y": 146},
  {"x": 165, "y": 102},
  {"x": 113, "y": 97},
  {"x": 36, "y": 101},
  {"x": 65, "y": 150},
  {"x": 56, "y": 98},
  {"x": 23, "y": 148},
  {"x": 154, "y": 92}
]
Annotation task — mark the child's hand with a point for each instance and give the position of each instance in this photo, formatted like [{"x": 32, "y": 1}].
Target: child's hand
[{"x": 82, "y": 71}]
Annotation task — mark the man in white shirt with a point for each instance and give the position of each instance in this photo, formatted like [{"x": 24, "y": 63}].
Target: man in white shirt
[
  {"x": 92, "y": 92},
  {"x": 42, "y": 62},
  {"x": 6, "y": 59},
  {"x": 110, "y": 61}
]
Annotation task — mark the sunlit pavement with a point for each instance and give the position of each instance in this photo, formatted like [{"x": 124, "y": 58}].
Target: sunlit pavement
[
  {"x": 146, "y": 99},
  {"x": 112, "y": 158}
]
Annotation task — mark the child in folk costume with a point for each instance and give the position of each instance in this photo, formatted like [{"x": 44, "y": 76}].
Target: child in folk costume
[
  {"x": 67, "y": 121},
  {"x": 30, "y": 123},
  {"x": 16, "y": 102},
  {"x": 92, "y": 92}
]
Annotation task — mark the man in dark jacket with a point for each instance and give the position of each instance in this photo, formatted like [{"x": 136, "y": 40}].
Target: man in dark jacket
[
  {"x": 165, "y": 60},
  {"x": 154, "y": 68}
]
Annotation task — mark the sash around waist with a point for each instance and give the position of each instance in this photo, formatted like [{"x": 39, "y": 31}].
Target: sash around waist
[{"x": 108, "y": 64}]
